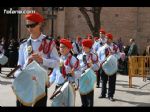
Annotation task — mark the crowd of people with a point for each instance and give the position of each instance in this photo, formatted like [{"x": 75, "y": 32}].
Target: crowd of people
[
  {"x": 75, "y": 57},
  {"x": 9, "y": 48}
]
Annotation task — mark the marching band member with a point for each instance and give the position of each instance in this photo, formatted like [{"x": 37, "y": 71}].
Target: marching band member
[
  {"x": 95, "y": 47},
  {"x": 99, "y": 44},
  {"x": 77, "y": 46},
  {"x": 108, "y": 49},
  {"x": 102, "y": 39},
  {"x": 69, "y": 66},
  {"x": 88, "y": 59},
  {"x": 96, "y": 41},
  {"x": 38, "y": 47}
]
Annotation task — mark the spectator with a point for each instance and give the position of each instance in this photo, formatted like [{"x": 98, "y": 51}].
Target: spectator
[{"x": 133, "y": 50}]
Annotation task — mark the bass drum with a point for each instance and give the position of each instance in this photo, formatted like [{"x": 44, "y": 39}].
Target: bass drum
[
  {"x": 87, "y": 81},
  {"x": 110, "y": 66},
  {"x": 3, "y": 59},
  {"x": 65, "y": 96},
  {"x": 29, "y": 91}
]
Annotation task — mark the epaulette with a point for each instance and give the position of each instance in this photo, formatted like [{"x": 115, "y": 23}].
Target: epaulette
[{"x": 23, "y": 41}]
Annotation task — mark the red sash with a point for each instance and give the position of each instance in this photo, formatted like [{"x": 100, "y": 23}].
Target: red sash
[
  {"x": 68, "y": 63},
  {"x": 91, "y": 58},
  {"x": 46, "y": 46}
]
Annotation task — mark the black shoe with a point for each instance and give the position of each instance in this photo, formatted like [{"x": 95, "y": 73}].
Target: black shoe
[
  {"x": 111, "y": 98},
  {"x": 102, "y": 96},
  {"x": 97, "y": 86}
]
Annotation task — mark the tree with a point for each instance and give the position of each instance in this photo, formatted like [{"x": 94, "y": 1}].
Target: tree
[{"x": 96, "y": 17}]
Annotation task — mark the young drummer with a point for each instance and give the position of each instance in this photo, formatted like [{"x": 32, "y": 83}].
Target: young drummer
[
  {"x": 108, "y": 49},
  {"x": 88, "y": 59},
  {"x": 69, "y": 66}
]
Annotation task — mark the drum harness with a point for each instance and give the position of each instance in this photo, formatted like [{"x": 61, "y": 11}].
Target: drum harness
[{"x": 57, "y": 91}]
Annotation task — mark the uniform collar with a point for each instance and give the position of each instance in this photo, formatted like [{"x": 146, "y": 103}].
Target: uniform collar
[
  {"x": 40, "y": 38},
  {"x": 65, "y": 57},
  {"x": 87, "y": 53}
]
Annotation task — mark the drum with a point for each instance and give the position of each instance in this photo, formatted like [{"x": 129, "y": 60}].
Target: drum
[
  {"x": 29, "y": 91},
  {"x": 87, "y": 81},
  {"x": 65, "y": 96},
  {"x": 3, "y": 59},
  {"x": 117, "y": 55},
  {"x": 110, "y": 66}
]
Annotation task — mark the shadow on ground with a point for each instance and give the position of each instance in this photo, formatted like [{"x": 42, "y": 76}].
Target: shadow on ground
[
  {"x": 142, "y": 104},
  {"x": 5, "y": 82},
  {"x": 134, "y": 92}
]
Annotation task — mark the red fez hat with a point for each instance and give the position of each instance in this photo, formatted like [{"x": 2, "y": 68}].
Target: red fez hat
[
  {"x": 87, "y": 43},
  {"x": 79, "y": 38},
  {"x": 102, "y": 31},
  {"x": 96, "y": 38},
  {"x": 109, "y": 36},
  {"x": 35, "y": 17},
  {"x": 66, "y": 42},
  {"x": 89, "y": 36}
]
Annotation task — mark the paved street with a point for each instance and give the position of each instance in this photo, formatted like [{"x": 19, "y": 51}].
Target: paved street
[{"x": 139, "y": 95}]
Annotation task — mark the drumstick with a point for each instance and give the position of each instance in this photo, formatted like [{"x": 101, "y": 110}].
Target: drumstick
[{"x": 12, "y": 72}]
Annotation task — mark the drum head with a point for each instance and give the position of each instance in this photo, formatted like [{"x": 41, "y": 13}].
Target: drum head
[
  {"x": 87, "y": 81},
  {"x": 3, "y": 59},
  {"x": 110, "y": 66},
  {"x": 66, "y": 97}
]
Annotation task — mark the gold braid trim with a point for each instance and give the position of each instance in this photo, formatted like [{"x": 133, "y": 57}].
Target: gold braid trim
[
  {"x": 86, "y": 93},
  {"x": 32, "y": 103}
]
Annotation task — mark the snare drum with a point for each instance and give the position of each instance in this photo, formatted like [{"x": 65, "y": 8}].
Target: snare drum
[
  {"x": 110, "y": 66},
  {"x": 65, "y": 96},
  {"x": 3, "y": 59},
  {"x": 87, "y": 81}
]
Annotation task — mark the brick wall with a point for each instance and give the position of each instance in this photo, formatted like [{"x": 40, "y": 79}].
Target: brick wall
[{"x": 124, "y": 22}]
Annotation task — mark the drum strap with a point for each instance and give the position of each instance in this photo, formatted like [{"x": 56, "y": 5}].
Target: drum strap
[
  {"x": 107, "y": 52},
  {"x": 93, "y": 61},
  {"x": 90, "y": 57},
  {"x": 29, "y": 44},
  {"x": 77, "y": 46},
  {"x": 66, "y": 63}
]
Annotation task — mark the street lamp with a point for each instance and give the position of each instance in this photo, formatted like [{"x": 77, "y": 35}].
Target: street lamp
[{"x": 50, "y": 14}]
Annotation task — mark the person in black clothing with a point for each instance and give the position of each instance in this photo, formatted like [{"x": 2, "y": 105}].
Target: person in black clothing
[
  {"x": 1, "y": 51},
  {"x": 13, "y": 53}
]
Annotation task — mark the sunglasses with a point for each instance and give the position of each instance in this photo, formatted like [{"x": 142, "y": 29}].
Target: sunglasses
[
  {"x": 62, "y": 47},
  {"x": 31, "y": 25}
]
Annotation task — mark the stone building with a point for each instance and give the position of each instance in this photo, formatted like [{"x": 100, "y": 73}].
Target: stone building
[{"x": 124, "y": 22}]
